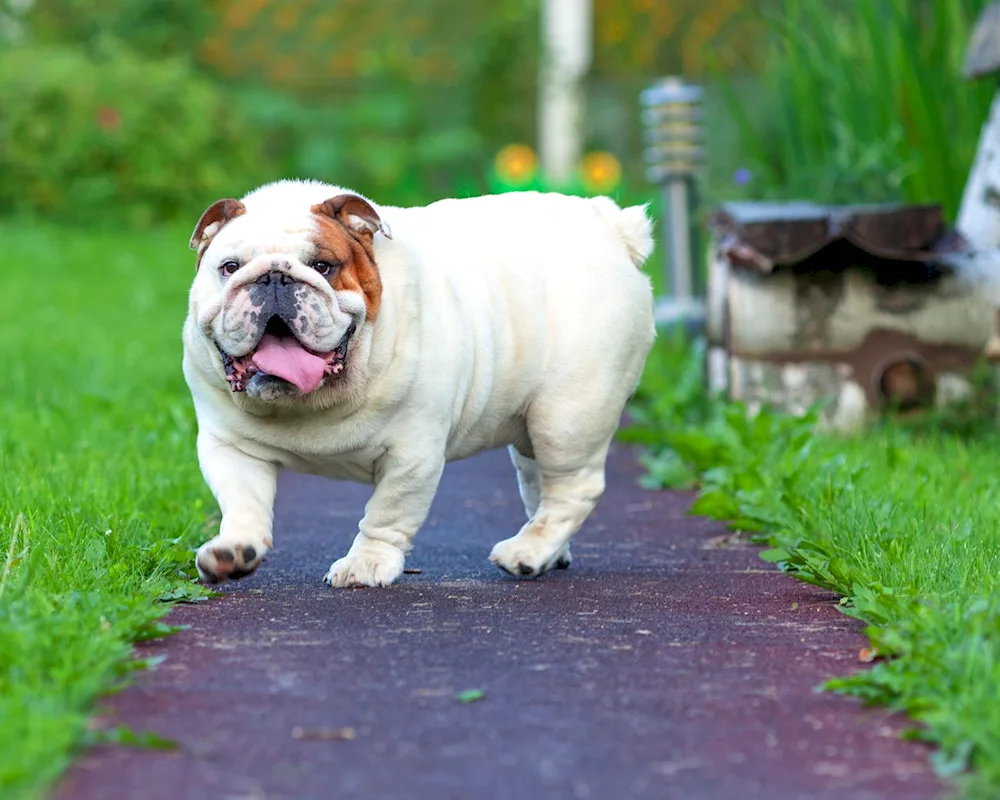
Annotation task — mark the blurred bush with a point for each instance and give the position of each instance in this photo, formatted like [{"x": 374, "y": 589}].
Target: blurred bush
[
  {"x": 155, "y": 28},
  {"x": 84, "y": 136},
  {"x": 161, "y": 105},
  {"x": 392, "y": 142},
  {"x": 640, "y": 38},
  {"x": 405, "y": 101}
]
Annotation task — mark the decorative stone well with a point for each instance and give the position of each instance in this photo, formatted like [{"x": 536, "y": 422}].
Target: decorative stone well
[{"x": 865, "y": 307}]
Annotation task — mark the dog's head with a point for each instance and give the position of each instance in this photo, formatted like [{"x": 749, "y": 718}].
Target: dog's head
[{"x": 285, "y": 285}]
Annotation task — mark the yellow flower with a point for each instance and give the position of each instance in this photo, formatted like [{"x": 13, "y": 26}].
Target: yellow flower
[
  {"x": 516, "y": 163},
  {"x": 601, "y": 171}
]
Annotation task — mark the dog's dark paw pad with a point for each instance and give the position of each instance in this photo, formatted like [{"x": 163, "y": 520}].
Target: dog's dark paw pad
[
  {"x": 218, "y": 564},
  {"x": 239, "y": 572},
  {"x": 209, "y": 577},
  {"x": 563, "y": 563},
  {"x": 524, "y": 569}
]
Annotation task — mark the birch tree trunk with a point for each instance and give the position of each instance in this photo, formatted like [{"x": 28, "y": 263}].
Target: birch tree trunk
[
  {"x": 566, "y": 30},
  {"x": 979, "y": 216}
]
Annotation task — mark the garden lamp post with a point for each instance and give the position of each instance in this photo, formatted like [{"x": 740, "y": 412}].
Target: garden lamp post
[{"x": 672, "y": 118}]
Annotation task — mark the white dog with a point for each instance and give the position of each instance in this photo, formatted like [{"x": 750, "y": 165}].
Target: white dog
[{"x": 331, "y": 336}]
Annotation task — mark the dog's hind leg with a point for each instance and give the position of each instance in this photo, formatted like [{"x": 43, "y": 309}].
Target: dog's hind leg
[
  {"x": 568, "y": 495},
  {"x": 561, "y": 485},
  {"x": 529, "y": 480}
]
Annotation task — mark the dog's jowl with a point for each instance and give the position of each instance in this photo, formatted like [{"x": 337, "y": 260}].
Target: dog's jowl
[{"x": 332, "y": 336}]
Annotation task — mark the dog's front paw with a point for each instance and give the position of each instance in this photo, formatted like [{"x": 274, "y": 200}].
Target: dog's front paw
[
  {"x": 219, "y": 561},
  {"x": 368, "y": 563},
  {"x": 528, "y": 556}
]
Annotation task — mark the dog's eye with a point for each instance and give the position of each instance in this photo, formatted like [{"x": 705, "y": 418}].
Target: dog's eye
[
  {"x": 229, "y": 267},
  {"x": 324, "y": 267}
]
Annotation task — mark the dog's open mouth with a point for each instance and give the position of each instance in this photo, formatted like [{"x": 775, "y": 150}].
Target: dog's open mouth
[{"x": 281, "y": 355}]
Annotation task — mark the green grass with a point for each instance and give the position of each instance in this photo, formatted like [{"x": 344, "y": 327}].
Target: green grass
[
  {"x": 100, "y": 494},
  {"x": 903, "y": 522},
  {"x": 101, "y": 502}
]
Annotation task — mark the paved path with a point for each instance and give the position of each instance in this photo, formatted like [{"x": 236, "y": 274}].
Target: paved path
[{"x": 666, "y": 663}]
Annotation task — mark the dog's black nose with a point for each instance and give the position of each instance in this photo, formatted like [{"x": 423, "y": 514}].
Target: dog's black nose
[{"x": 278, "y": 277}]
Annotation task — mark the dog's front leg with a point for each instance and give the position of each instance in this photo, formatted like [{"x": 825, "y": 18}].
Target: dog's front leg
[
  {"x": 244, "y": 487},
  {"x": 404, "y": 489}
]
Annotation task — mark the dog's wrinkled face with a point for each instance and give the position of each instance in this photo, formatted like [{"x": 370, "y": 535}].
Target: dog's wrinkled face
[{"x": 282, "y": 295}]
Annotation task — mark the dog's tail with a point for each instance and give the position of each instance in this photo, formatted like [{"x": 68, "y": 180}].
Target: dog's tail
[{"x": 632, "y": 225}]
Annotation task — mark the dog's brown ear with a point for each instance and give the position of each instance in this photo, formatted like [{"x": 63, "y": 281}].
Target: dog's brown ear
[
  {"x": 353, "y": 212},
  {"x": 211, "y": 222}
]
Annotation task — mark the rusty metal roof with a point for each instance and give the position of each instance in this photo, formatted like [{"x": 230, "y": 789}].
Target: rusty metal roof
[
  {"x": 763, "y": 236},
  {"x": 983, "y": 54}
]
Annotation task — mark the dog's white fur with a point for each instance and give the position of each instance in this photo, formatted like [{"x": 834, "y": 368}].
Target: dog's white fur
[{"x": 517, "y": 320}]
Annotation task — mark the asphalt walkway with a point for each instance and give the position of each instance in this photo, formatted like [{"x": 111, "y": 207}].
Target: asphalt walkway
[{"x": 668, "y": 662}]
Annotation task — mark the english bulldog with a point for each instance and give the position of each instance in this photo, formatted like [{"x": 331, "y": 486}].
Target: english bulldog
[{"x": 329, "y": 335}]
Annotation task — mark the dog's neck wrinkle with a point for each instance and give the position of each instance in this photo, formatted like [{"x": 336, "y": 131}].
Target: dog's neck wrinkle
[
  {"x": 385, "y": 342},
  {"x": 383, "y": 368}
]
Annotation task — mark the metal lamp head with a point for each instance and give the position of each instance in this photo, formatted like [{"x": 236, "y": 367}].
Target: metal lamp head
[{"x": 672, "y": 117}]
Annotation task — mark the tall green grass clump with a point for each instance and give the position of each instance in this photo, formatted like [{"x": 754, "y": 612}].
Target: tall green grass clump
[{"x": 864, "y": 102}]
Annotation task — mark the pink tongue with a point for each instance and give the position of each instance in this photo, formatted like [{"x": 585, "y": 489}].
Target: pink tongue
[{"x": 286, "y": 358}]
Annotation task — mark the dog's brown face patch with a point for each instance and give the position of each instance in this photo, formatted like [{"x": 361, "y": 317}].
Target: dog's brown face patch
[{"x": 350, "y": 252}]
